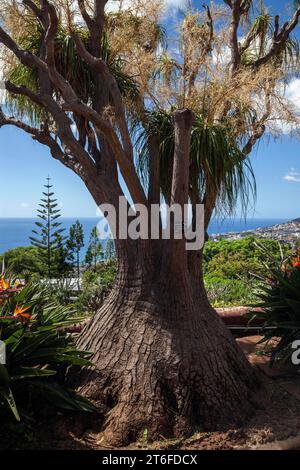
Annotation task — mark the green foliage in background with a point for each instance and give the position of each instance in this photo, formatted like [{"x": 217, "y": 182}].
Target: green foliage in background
[
  {"x": 94, "y": 252},
  {"x": 22, "y": 262},
  {"x": 74, "y": 244},
  {"x": 230, "y": 292},
  {"x": 228, "y": 266},
  {"x": 96, "y": 285}
]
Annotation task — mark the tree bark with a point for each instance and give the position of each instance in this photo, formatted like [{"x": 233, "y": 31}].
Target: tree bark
[{"x": 164, "y": 361}]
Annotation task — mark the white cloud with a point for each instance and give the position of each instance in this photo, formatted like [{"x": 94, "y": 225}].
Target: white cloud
[
  {"x": 115, "y": 5},
  {"x": 25, "y": 205},
  {"x": 176, "y": 3},
  {"x": 290, "y": 93},
  {"x": 221, "y": 57},
  {"x": 292, "y": 176}
]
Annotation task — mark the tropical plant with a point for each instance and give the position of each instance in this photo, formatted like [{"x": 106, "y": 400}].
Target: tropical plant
[
  {"x": 279, "y": 299},
  {"x": 38, "y": 348},
  {"x": 8, "y": 287},
  {"x": 48, "y": 236},
  {"x": 213, "y": 107}
]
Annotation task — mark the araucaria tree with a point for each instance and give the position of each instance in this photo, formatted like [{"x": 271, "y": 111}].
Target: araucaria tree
[
  {"x": 48, "y": 235},
  {"x": 101, "y": 90}
]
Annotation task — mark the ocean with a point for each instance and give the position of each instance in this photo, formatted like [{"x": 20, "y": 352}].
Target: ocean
[{"x": 16, "y": 232}]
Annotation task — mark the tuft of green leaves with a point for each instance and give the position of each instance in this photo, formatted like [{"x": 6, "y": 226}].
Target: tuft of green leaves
[
  {"x": 259, "y": 40},
  {"x": 72, "y": 67},
  {"x": 216, "y": 160}
]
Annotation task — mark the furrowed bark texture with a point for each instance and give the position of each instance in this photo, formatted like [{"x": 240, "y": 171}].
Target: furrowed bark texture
[{"x": 164, "y": 361}]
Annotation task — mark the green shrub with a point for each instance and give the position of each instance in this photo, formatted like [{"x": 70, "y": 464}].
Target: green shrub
[
  {"x": 279, "y": 297},
  {"x": 23, "y": 261},
  {"x": 232, "y": 259},
  {"x": 96, "y": 285},
  {"x": 38, "y": 350},
  {"x": 227, "y": 292}
]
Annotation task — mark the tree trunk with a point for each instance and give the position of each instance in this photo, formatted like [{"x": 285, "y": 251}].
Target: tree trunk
[{"x": 164, "y": 360}]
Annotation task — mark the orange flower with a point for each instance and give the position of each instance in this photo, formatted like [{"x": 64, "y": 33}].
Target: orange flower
[
  {"x": 20, "y": 312},
  {"x": 4, "y": 285},
  {"x": 296, "y": 261}
]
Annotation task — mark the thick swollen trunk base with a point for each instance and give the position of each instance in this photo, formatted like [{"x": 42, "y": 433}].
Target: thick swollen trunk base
[{"x": 164, "y": 363}]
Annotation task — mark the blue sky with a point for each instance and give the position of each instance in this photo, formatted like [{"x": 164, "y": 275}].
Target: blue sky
[{"x": 25, "y": 165}]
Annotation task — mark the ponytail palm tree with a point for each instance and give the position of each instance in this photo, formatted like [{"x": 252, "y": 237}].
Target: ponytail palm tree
[
  {"x": 215, "y": 160},
  {"x": 120, "y": 109}
]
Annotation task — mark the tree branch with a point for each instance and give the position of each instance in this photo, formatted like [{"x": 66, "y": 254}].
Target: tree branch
[
  {"x": 234, "y": 44},
  {"x": 11, "y": 121},
  {"x": 87, "y": 18},
  {"x": 25, "y": 57},
  {"x": 47, "y": 69},
  {"x": 101, "y": 67},
  {"x": 280, "y": 38},
  {"x": 34, "y": 8},
  {"x": 44, "y": 137},
  {"x": 259, "y": 128},
  {"x": 95, "y": 24},
  {"x": 238, "y": 8},
  {"x": 24, "y": 91}
]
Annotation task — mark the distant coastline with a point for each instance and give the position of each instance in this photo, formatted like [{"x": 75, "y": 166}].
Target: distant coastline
[
  {"x": 15, "y": 232},
  {"x": 286, "y": 232}
]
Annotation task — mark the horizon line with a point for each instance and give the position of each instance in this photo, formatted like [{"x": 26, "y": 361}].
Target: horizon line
[{"x": 98, "y": 217}]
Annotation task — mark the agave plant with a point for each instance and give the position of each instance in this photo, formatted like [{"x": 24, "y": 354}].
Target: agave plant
[
  {"x": 33, "y": 330},
  {"x": 279, "y": 299}
]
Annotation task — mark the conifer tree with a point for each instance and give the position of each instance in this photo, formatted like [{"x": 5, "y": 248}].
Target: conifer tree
[
  {"x": 48, "y": 235},
  {"x": 94, "y": 252},
  {"x": 110, "y": 250},
  {"x": 75, "y": 243}
]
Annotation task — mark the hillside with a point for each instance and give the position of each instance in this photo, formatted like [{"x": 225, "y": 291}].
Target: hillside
[{"x": 288, "y": 232}]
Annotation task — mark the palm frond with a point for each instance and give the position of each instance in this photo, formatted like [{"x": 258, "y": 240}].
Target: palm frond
[
  {"x": 259, "y": 39},
  {"x": 71, "y": 67},
  {"x": 215, "y": 161}
]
